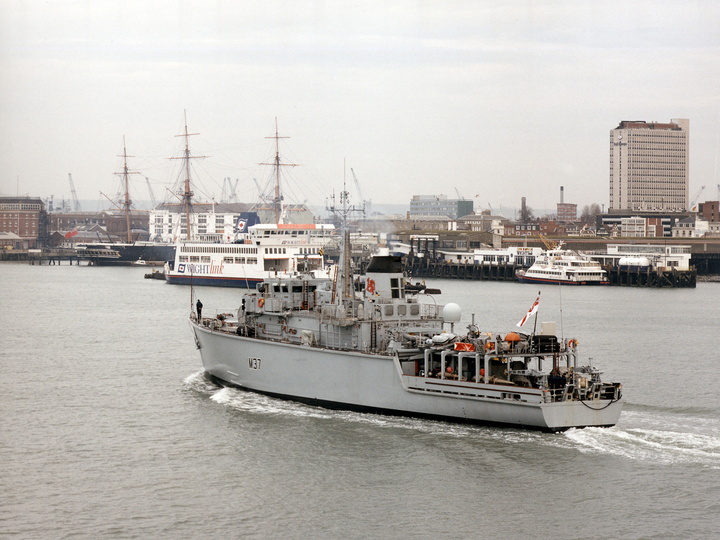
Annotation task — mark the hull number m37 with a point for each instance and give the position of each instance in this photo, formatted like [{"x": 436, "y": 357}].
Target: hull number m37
[{"x": 254, "y": 363}]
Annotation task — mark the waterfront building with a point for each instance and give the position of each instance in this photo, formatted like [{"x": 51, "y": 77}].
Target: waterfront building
[
  {"x": 439, "y": 206},
  {"x": 26, "y": 219},
  {"x": 663, "y": 222},
  {"x": 657, "y": 256},
  {"x": 710, "y": 210},
  {"x": 691, "y": 227},
  {"x": 566, "y": 212},
  {"x": 649, "y": 166},
  {"x": 521, "y": 228},
  {"x": 105, "y": 225},
  {"x": 641, "y": 227},
  {"x": 484, "y": 221},
  {"x": 216, "y": 221}
]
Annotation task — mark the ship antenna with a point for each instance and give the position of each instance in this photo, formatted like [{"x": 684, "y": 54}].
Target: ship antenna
[
  {"x": 562, "y": 330},
  {"x": 344, "y": 210}
]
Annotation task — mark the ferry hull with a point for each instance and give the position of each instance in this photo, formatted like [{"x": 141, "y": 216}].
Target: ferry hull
[
  {"x": 546, "y": 281},
  {"x": 370, "y": 382},
  {"x": 213, "y": 281}
]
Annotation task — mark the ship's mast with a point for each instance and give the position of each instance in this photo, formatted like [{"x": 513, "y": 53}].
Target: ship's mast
[
  {"x": 187, "y": 194},
  {"x": 277, "y": 201},
  {"x": 345, "y": 277},
  {"x": 126, "y": 172}
]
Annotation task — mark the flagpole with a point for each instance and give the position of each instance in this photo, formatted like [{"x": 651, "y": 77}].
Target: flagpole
[{"x": 536, "y": 313}]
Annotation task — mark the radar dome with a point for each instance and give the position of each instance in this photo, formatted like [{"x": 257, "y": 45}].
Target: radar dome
[{"x": 452, "y": 313}]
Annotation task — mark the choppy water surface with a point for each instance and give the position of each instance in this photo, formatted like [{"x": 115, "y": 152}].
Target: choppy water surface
[{"x": 109, "y": 429}]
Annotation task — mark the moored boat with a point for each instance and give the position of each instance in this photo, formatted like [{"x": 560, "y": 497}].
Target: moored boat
[
  {"x": 266, "y": 250},
  {"x": 564, "y": 267}
]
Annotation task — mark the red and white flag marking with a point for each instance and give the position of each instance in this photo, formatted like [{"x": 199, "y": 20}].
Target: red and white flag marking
[{"x": 533, "y": 310}]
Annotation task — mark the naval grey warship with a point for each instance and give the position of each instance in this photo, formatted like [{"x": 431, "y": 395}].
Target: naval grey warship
[{"x": 372, "y": 343}]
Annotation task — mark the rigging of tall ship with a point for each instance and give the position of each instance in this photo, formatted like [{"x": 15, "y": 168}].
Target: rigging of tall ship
[
  {"x": 254, "y": 250},
  {"x": 371, "y": 343}
]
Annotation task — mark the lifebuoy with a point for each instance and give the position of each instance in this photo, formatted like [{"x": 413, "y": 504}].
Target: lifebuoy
[
  {"x": 261, "y": 302},
  {"x": 489, "y": 346},
  {"x": 370, "y": 286}
]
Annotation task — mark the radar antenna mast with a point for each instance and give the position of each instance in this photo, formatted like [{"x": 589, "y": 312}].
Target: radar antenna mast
[{"x": 346, "y": 282}]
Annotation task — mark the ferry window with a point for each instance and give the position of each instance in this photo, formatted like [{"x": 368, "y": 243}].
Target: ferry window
[
  {"x": 402, "y": 310},
  {"x": 297, "y": 289},
  {"x": 252, "y": 260},
  {"x": 389, "y": 309},
  {"x": 266, "y": 250},
  {"x": 183, "y": 258},
  {"x": 194, "y": 258},
  {"x": 239, "y": 260},
  {"x": 414, "y": 309},
  {"x": 228, "y": 260},
  {"x": 283, "y": 250},
  {"x": 205, "y": 258}
]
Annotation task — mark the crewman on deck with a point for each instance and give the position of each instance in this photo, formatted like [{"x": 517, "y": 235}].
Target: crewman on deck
[{"x": 199, "y": 309}]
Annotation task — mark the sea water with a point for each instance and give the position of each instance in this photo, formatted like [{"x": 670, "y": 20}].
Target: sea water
[{"x": 108, "y": 428}]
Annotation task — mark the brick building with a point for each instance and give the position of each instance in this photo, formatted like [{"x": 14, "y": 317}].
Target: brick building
[{"x": 26, "y": 218}]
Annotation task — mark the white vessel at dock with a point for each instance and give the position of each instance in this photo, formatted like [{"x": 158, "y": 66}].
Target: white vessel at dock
[
  {"x": 264, "y": 251},
  {"x": 369, "y": 344},
  {"x": 564, "y": 267}
]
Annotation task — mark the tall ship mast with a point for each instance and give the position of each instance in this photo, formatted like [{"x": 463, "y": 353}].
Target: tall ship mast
[
  {"x": 187, "y": 194},
  {"x": 277, "y": 200},
  {"x": 125, "y": 175}
]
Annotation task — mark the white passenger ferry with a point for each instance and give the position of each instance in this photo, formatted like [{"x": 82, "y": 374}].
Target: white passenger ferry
[
  {"x": 562, "y": 266},
  {"x": 264, "y": 251}
]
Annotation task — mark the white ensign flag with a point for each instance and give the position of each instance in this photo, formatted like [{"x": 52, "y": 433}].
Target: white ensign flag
[{"x": 533, "y": 309}]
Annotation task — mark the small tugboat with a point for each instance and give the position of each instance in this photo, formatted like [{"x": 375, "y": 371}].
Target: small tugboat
[{"x": 374, "y": 345}]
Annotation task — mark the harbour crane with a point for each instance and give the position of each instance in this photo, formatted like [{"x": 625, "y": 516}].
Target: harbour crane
[
  {"x": 76, "y": 203},
  {"x": 365, "y": 202},
  {"x": 229, "y": 190},
  {"x": 150, "y": 191},
  {"x": 696, "y": 197}
]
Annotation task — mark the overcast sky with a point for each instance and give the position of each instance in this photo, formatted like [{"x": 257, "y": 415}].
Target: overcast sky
[{"x": 495, "y": 99}]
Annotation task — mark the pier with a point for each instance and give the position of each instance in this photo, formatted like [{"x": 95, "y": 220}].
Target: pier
[
  {"x": 424, "y": 267},
  {"x": 57, "y": 256}
]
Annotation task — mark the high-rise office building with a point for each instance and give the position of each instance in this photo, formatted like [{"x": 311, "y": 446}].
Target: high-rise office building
[{"x": 649, "y": 166}]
